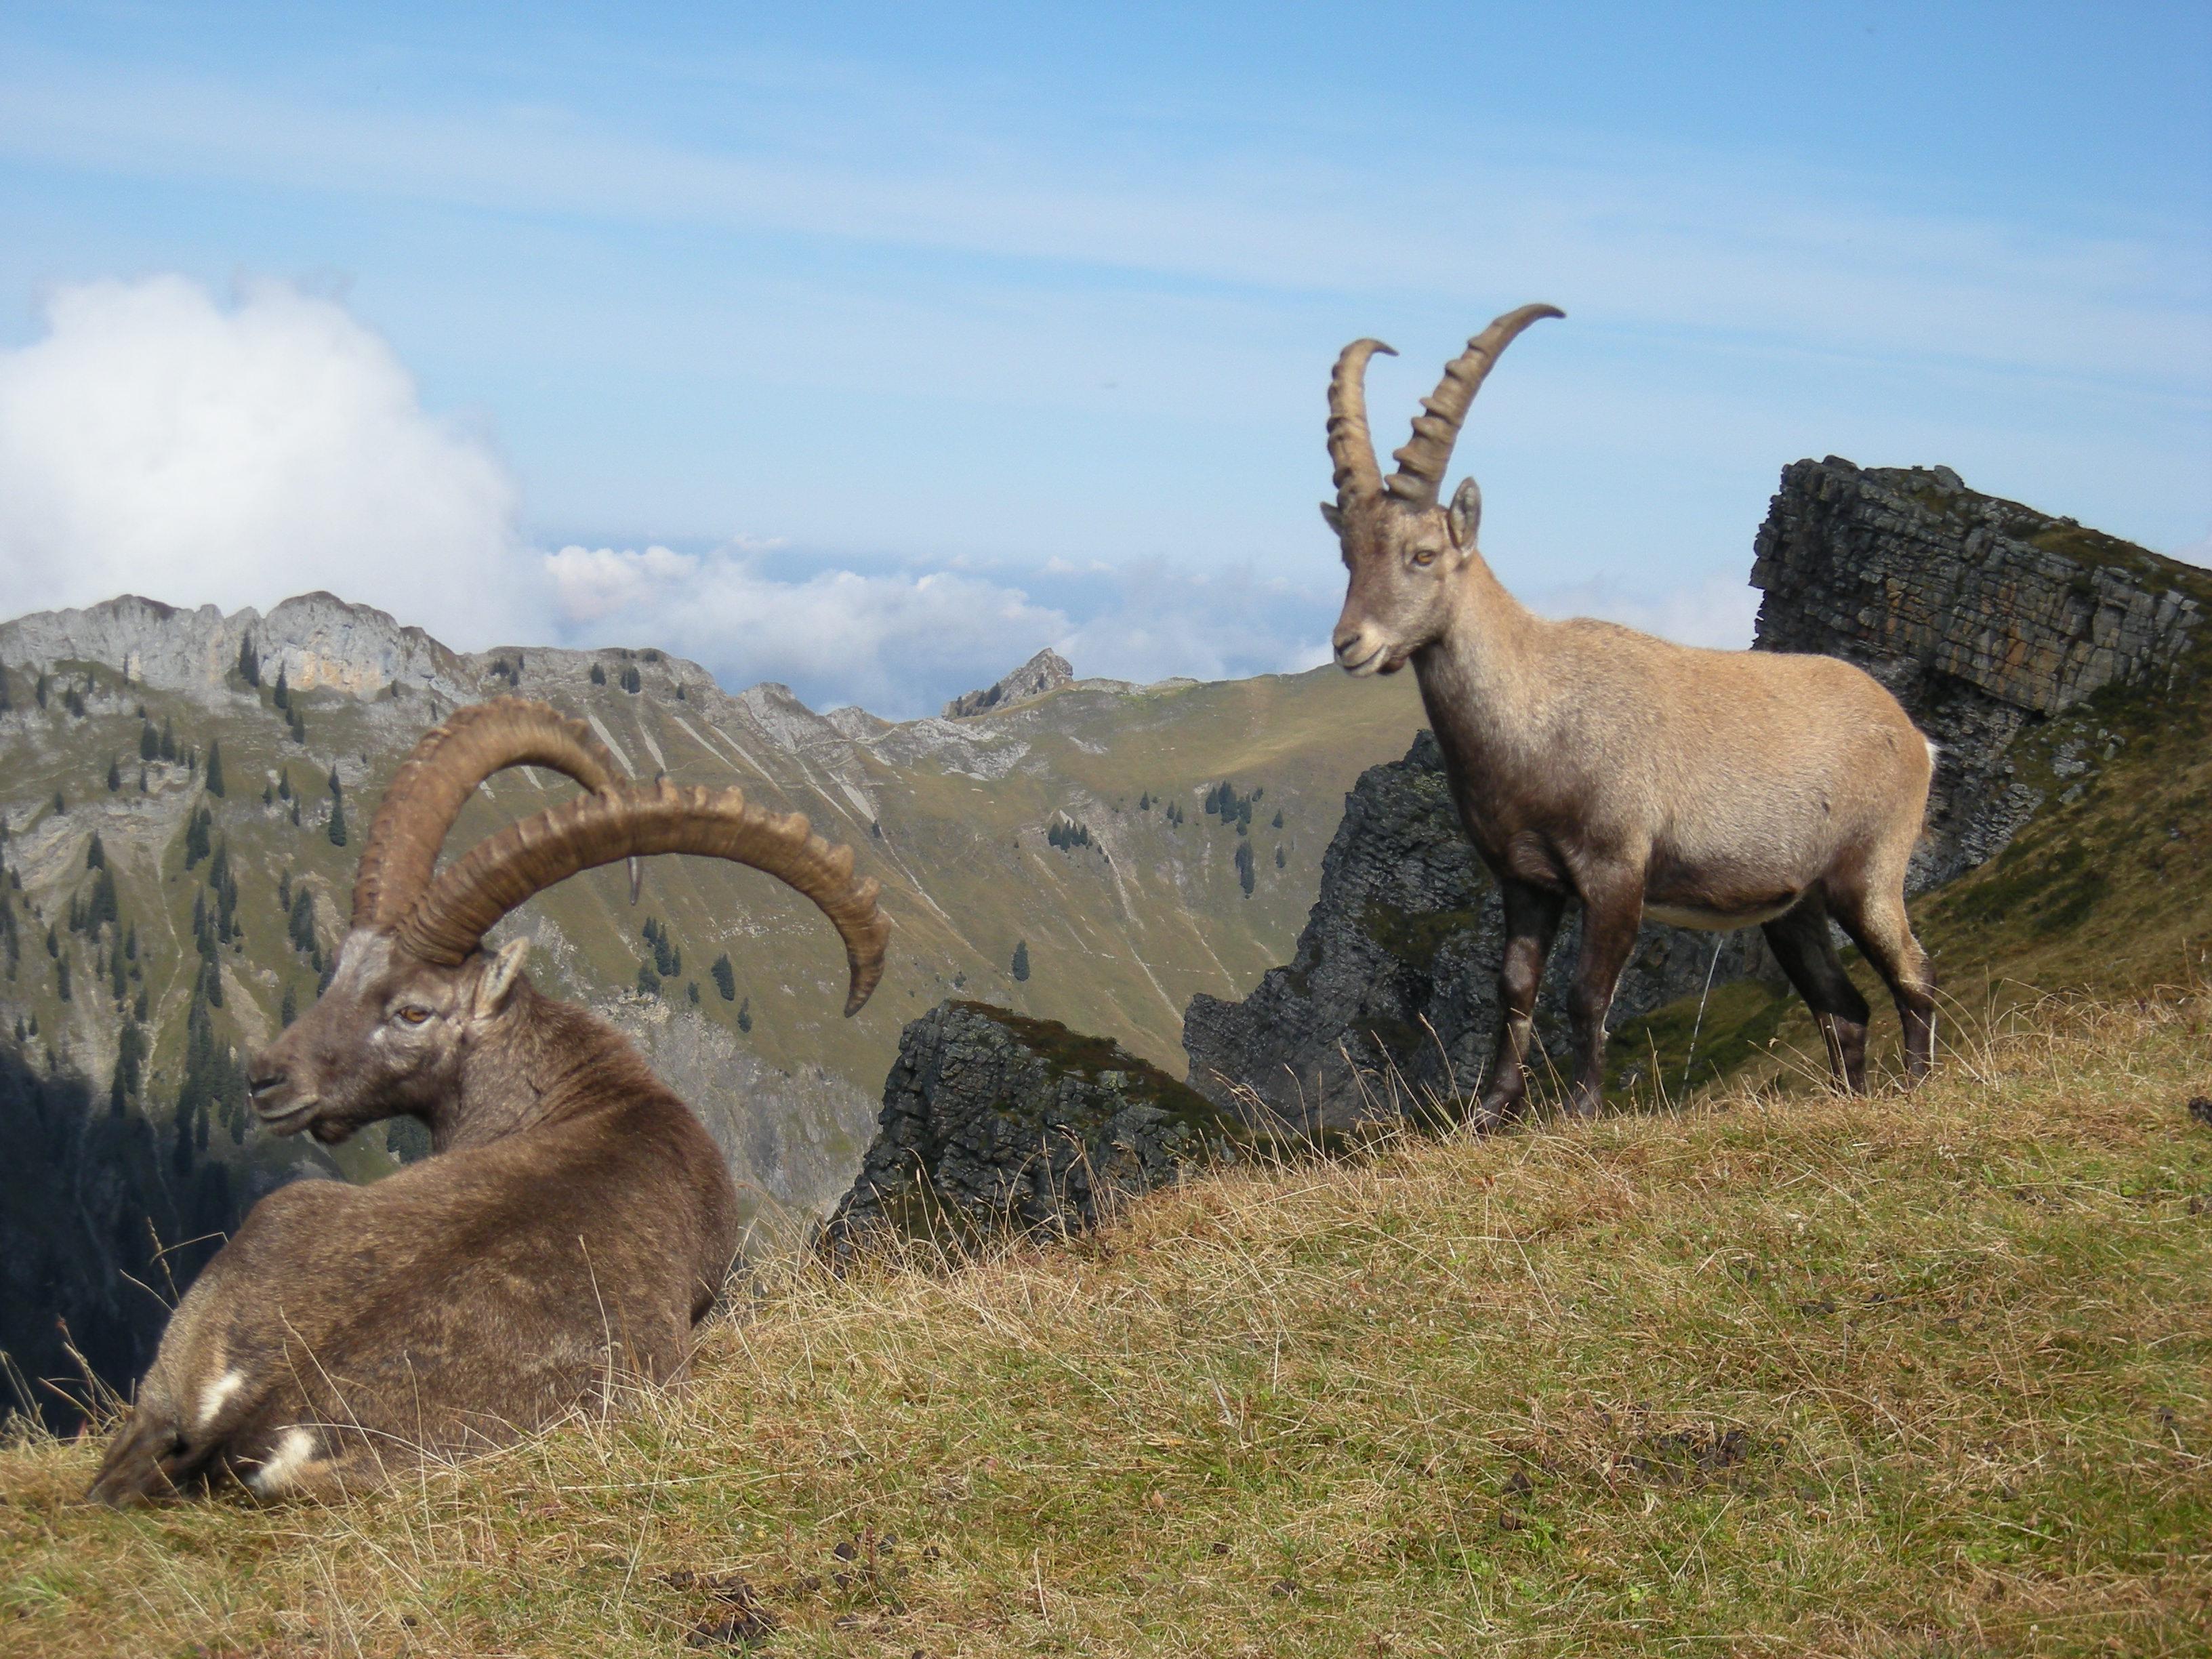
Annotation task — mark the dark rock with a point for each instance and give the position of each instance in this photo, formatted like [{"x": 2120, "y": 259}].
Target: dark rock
[
  {"x": 2200, "y": 1109},
  {"x": 994, "y": 1121},
  {"x": 1047, "y": 670}
]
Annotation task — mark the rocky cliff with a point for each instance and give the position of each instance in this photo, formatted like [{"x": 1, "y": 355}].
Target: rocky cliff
[
  {"x": 1989, "y": 620},
  {"x": 992, "y": 1121},
  {"x": 1985, "y": 618}
]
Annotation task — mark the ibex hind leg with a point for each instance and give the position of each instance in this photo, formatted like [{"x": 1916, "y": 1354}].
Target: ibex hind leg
[
  {"x": 1875, "y": 918},
  {"x": 1806, "y": 949}
]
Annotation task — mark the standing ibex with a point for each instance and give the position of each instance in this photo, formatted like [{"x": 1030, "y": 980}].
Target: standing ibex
[
  {"x": 574, "y": 1220},
  {"x": 1705, "y": 789}
]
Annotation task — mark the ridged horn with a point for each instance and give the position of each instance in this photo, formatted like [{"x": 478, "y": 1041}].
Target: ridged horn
[
  {"x": 427, "y": 792},
  {"x": 1351, "y": 446},
  {"x": 626, "y": 821},
  {"x": 1421, "y": 463}
]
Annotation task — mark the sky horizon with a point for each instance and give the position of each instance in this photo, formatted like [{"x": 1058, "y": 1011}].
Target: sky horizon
[{"x": 872, "y": 351}]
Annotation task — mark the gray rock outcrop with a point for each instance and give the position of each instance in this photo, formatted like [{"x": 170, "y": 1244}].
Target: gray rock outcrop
[
  {"x": 1047, "y": 670},
  {"x": 992, "y": 1120},
  {"x": 1983, "y": 615}
]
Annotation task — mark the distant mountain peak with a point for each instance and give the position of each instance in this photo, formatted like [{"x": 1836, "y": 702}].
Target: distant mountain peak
[{"x": 1047, "y": 670}]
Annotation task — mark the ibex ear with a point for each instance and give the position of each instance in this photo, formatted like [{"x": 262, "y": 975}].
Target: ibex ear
[
  {"x": 1465, "y": 515},
  {"x": 1328, "y": 511},
  {"x": 498, "y": 981}
]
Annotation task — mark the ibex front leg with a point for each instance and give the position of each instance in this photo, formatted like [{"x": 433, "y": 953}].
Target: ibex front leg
[
  {"x": 1612, "y": 912},
  {"x": 1532, "y": 918}
]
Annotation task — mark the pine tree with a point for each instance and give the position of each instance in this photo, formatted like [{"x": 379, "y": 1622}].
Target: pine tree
[
  {"x": 290, "y": 1011},
  {"x": 1022, "y": 960},
  {"x": 295, "y": 811},
  {"x": 283, "y": 783},
  {"x": 337, "y": 822},
  {"x": 249, "y": 661},
  {"x": 215, "y": 768},
  {"x": 631, "y": 681},
  {"x": 165, "y": 747},
  {"x": 1244, "y": 866},
  {"x": 196, "y": 837},
  {"x": 130, "y": 944},
  {"x": 6, "y": 701},
  {"x": 95, "y": 852},
  {"x": 62, "y": 977},
  {"x": 114, "y": 775},
  {"x": 284, "y": 892},
  {"x": 280, "y": 693},
  {"x": 1144, "y": 801},
  {"x": 692, "y": 991},
  {"x": 746, "y": 1015},
  {"x": 599, "y": 675},
  {"x": 336, "y": 784},
  {"x": 301, "y": 926},
  {"x": 724, "y": 976},
  {"x": 118, "y": 984},
  {"x": 40, "y": 690},
  {"x": 150, "y": 741},
  {"x": 60, "y": 805},
  {"x": 141, "y": 779},
  {"x": 1278, "y": 858},
  {"x": 649, "y": 983}
]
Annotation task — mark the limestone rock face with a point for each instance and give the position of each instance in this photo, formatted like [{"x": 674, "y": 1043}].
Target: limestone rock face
[
  {"x": 1047, "y": 670},
  {"x": 318, "y": 640},
  {"x": 1981, "y": 615},
  {"x": 1389, "y": 1003},
  {"x": 992, "y": 1121}
]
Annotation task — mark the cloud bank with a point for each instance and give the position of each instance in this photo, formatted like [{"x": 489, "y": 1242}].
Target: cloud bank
[{"x": 155, "y": 440}]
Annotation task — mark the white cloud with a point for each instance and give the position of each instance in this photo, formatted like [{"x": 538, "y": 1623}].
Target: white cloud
[
  {"x": 898, "y": 643},
  {"x": 153, "y": 441}
]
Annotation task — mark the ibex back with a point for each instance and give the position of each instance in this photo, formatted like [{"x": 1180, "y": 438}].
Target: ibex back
[
  {"x": 1712, "y": 789},
  {"x": 574, "y": 1221}
]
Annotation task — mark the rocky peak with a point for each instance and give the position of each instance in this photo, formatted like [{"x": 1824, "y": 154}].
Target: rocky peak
[{"x": 1047, "y": 670}]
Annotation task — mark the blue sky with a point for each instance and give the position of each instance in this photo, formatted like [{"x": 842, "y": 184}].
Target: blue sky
[{"x": 916, "y": 338}]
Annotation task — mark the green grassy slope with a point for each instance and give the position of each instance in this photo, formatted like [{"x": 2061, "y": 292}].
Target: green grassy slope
[
  {"x": 1120, "y": 933},
  {"x": 1790, "y": 1373}
]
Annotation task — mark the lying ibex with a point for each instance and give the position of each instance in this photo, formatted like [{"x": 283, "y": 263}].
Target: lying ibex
[
  {"x": 574, "y": 1220},
  {"x": 1705, "y": 788}
]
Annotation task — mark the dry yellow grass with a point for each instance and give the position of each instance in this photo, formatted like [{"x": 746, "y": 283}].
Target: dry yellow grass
[{"x": 1780, "y": 1373}]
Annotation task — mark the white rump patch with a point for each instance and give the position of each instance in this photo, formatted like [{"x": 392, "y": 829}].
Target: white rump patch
[
  {"x": 283, "y": 1469},
  {"x": 212, "y": 1396}
]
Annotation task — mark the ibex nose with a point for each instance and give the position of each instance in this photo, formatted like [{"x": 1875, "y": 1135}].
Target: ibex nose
[{"x": 266, "y": 1083}]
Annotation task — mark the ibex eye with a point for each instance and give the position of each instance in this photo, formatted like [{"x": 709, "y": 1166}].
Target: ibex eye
[
  {"x": 1425, "y": 556},
  {"x": 414, "y": 1015}
]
